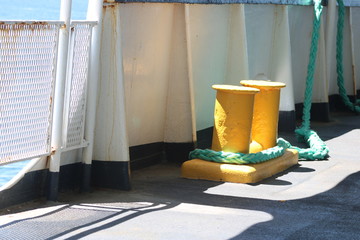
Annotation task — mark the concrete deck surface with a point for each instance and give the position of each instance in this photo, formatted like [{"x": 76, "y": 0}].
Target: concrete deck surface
[{"x": 313, "y": 200}]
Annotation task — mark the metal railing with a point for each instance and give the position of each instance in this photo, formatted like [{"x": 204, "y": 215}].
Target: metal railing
[
  {"x": 77, "y": 80},
  {"x": 349, "y": 3},
  {"x": 28, "y": 54}
]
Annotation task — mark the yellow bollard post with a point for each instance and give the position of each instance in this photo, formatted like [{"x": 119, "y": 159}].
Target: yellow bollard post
[
  {"x": 266, "y": 113},
  {"x": 233, "y": 118}
]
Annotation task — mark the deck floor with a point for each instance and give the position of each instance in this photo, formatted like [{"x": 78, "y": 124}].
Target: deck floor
[{"x": 313, "y": 200}]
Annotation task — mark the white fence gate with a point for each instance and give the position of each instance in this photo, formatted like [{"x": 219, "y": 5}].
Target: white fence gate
[{"x": 28, "y": 54}]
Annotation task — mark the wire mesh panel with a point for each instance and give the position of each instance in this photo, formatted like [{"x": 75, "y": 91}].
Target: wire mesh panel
[
  {"x": 77, "y": 84},
  {"x": 27, "y": 71}
]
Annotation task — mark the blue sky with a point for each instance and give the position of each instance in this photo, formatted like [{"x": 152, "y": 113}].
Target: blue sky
[{"x": 39, "y": 9}]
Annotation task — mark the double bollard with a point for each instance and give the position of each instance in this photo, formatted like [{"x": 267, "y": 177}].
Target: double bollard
[
  {"x": 245, "y": 121},
  {"x": 246, "y": 118}
]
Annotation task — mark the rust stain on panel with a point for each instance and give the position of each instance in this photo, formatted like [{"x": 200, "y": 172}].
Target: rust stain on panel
[{"x": 20, "y": 26}]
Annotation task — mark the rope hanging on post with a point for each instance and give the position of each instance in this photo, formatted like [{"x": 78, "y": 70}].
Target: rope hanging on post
[
  {"x": 339, "y": 60},
  {"x": 317, "y": 148}
]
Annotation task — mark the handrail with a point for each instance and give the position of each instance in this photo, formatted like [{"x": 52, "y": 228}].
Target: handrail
[
  {"x": 348, "y": 3},
  {"x": 32, "y": 22},
  {"x": 282, "y": 2},
  {"x": 92, "y": 23}
]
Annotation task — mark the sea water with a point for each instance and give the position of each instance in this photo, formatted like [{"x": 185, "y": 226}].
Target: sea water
[{"x": 39, "y": 9}]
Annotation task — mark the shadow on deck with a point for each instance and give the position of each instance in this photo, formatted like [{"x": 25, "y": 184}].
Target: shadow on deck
[{"x": 313, "y": 200}]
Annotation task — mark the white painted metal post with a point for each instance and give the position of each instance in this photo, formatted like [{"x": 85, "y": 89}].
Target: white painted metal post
[
  {"x": 353, "y": 55},
  {"x": 56, "y": 136},
  {"x": 95, "y": 10},
  {"x": 190, "y": 71},
  {"x": 330, "y": 38}
]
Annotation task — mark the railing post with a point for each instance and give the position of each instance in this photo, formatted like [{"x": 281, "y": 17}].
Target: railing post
[
  {"x": 330, "y": 37},
  {"x": 57, "y": 129},
  {"x": 95, "y": 9}
]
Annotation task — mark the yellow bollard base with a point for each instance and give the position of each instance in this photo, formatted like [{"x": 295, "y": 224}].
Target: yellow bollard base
[{"x": 249, "y": 173}]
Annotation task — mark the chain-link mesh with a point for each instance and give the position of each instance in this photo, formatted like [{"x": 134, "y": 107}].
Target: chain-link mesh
[
  {"x": 77, "y": 84},
  {"x": 27, "y": 71}
]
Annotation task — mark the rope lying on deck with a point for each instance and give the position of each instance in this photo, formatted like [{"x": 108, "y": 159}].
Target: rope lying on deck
[{"x": 317, "y": 148}]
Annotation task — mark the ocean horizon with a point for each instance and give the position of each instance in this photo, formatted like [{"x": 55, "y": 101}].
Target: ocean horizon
[{"x": 39, "y": 10}]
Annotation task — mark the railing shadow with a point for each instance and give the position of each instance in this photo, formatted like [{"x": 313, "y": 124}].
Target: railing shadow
[{"x": 76, "y": 221}]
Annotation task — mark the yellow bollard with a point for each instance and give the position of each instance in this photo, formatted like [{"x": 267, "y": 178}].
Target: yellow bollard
[
  {"x": 266, "y": 113},
  {"x": 237, "y": 111},
  {"x": 233, "y": 118}
]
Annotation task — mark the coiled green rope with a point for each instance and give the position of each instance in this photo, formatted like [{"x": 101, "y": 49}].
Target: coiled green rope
[
  {"x": 241, "y": 158},
  {"x": 339, "y": 59},
  {"x": 317, "y": 148}
]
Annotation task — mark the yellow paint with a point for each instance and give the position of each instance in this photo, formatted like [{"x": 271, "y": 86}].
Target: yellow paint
[
  {"x": 249, "y": 173},
  {"x": 233, "y": 118},
  {"x": 266, "y": 113},
  {"x": 255, "y": 147}
]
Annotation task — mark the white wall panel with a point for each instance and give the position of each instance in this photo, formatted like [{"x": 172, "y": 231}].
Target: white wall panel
[
  {"x": 209, "y": 29},
  {"x": 110, "y": 141},
  {"x": 164, "y": 49},
  {"x": 178, "y": 126},
  {"x": 146, "y": 40},
  {"x": 301, "y": 28},
  {"x": 269, "y": 48},
  {"x": 355, "y": 15},
  {"x": 237, "y": 61}
]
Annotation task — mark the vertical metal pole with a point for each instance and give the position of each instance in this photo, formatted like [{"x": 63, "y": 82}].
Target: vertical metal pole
[
  {"x": 68, "y": 84},
  {"x": 94, "y": 14},
  {"x": 56, "y": 137},
  {"x": 353, "y": 56},
  {"x": 330, "y": 37},
  {"x": 190, "y": 72}
]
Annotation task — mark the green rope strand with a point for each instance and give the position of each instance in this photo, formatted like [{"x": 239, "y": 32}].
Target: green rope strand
[
  {"x": 312, "y": 64},
  {"x": 318, "y": 148},
  {"x": 339, "y": 59}
]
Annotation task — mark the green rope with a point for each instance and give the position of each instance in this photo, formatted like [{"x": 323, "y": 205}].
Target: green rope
[
  {"x": 339, "y": 59},
  {"x": 317, "y": 148},
  {"x": 241, "y": 158},
  {"x": 312, "y": 64}
]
